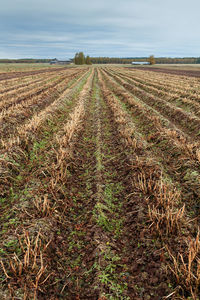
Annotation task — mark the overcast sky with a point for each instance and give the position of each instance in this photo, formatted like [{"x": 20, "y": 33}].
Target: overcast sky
[{"x": 115, "y": 28}]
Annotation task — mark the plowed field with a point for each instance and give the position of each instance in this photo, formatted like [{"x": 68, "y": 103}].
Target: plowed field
[{"x": 99, "y": 185}]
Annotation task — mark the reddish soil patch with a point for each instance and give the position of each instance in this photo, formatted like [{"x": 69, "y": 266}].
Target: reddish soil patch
[{"x": 169, "y": 71}]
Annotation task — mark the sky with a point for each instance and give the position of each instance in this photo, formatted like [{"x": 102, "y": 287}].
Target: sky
[{"x": 114, "y": 28}]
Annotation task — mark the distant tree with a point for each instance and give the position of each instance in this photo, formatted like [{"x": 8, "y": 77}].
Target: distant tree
[
  {"x": 79, "y": 58},
  {"x": 87, "y": 60},
  {"x": 198, "y": 60},
  {"x": 152, "y": 60},
  {"x": 76, "y": 59}
]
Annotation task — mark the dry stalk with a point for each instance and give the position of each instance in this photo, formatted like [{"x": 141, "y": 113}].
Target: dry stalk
[
  {"x": 163, "y": 212},
  {"x": 162, "y": 201},
  {"x": 198, "y": 154},
  {"x": 186, "y": 267},
  {"x": 166, "y": 220},
  {"x": 165, "y": 196},
  {"x": 145, "y": 183},
  {"x": 43, "y": 205},
  {"x": 28, "y": 269}
]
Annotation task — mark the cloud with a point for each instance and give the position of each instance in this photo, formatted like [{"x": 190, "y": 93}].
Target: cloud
[{"x": 59, "y": 28}]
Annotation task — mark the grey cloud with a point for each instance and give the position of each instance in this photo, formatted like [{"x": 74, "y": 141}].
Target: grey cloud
[{"x": 59, "y": 28}]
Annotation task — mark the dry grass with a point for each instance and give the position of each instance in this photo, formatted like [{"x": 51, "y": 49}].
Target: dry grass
[
  {"x": 164, "y": 215},
  {"x": 162, "y": 201},
  {"x": 29, "y": 270},
  {"x": 186, "y": 266},
  {"x": 43, "y": 206},
  {"x": 166, "y": 221}
]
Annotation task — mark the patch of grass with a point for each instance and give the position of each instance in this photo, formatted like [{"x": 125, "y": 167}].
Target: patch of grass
[{"x": 111, "y": 277}]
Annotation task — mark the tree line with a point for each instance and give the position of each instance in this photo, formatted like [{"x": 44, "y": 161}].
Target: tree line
[
  {"x": 25, "y": 60},
  {"x": 80, "y": 59},
  {"x": 158, "y": 60}
]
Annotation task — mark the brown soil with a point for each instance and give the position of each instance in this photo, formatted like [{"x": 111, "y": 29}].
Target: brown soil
[
  {"x": 169, "y": 71},
  {"x": 10, "y": 75},
  {"x": 102, "y": 177}
]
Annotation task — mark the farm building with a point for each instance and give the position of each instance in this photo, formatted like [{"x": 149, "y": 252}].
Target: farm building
[{"x": 140, "y": 63}]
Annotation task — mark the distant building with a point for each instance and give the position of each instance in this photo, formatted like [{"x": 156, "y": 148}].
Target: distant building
[
  {"x": 140, "y": 63},
  {"x": 61, "y": 62}
]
